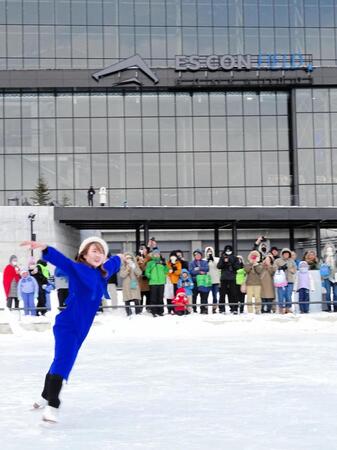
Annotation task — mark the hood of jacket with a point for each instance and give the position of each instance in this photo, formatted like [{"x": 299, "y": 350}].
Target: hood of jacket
[
  {"x": 285, "y": 250},
  {"x": 251, "y": 258},
  {"x": 209, "y": 250},
  {"x": 325, "y": 251}
]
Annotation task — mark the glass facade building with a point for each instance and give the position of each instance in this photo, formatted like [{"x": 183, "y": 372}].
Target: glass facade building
[{"x": 265, "y": 143}]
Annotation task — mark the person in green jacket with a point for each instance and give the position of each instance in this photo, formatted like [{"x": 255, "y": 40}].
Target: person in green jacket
[{"x": 156, "y": 271}]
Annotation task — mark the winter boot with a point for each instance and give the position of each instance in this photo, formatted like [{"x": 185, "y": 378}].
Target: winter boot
[{"x": 50, "y": 414}]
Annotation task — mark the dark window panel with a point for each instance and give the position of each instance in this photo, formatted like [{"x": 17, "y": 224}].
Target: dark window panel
[
  {"x": 321, "y": 130},
  {"x": 157, "y": 12},
  {"x": 219, "y": 176},
  {"x": 190, "y": 41},
  {"x": 296, "y": 13},
  {"x": 64, "y": 135},
  {"x": 134, "y": 178},
  {"x": 168, "y": 170},
  {"x": 110, "y": 12},
  {"x": 82, "y": 176},
  {"x": 13, "y": 172},
  {"x": 95, "y": 12},
  {"x": 151, "y": 170},
  {"x": 110, "y": 36},
  {"x": 281, "y": 13},
  {"x": 218, "y": 134},
  {"x": 251, "y": 13},
  {"x": 236, "y": 170},
  {"x": 30, "y": 171},
  {"x": 78, "y": 12},
  {"x": 304, "y": 130},
  {"x": 237, "y": 197},
  {"x": 14, "y": 41},
  {"x": 62, "y": 12},
  {"x": 173, "y": 12},
  {"x": 46, "y": 12},
  {"x": 266, "y": 13},
  {"x": 99, "y": 135},
  {"x": 117, "y": 171},
  {"x": 30, "y": 136},
  {"x": 252, "y": 133},
  {"x": 79, "y": 42},
  {"x": 184, "y": 134},
  {"x": 100, "y": 171},
  {"x": 47, "y": 42},
  {"x": 221, "y": 41},
  {"x": 30, "y": 11},
  {"x": 95, "y": 43},
  {"x": 201, "y": 134},
  {"x": 63, "y": 42},
  {"x": 126, "y": 12},
  {"x": 202, "y": 172},
  {"x": 48, "y": 169},
  {"x": 235, "y": 133},
  {"x": 47, "y": 135},
  {"x": 254, "y": 196},
  {"x": 142, "y": 12},
  {"x": 311, "y": 13},
  {"x": 150, "y": 134},
  {"x": 82, "y": 135},
  {"x": 143, "y": 46},
  {"x": 151, "y": 197},
  {"x": 167, "y": 134}
]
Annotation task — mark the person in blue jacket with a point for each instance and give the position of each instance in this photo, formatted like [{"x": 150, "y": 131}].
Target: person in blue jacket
[{"x": 87, "y": 286}]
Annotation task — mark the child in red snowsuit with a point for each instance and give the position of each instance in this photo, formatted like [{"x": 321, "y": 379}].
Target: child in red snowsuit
[{"x": 180, "y": 302}]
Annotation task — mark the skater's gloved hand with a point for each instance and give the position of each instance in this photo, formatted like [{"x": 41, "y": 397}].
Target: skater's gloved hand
[{"x": 284, "y": 267}]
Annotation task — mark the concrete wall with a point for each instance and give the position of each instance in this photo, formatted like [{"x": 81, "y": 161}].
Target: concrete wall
[{"x": 15, "y": 227}]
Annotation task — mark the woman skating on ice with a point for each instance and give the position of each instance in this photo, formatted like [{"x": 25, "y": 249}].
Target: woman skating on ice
[{"x": 87, "y": 286}]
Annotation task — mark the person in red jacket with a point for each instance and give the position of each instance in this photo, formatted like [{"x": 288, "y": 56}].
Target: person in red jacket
[
  {"x": 11, "y": 278},
  {"x": 180, "y": 302}
]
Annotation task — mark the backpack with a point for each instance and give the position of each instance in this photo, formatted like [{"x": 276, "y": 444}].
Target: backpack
[
  {"x": 280, "y": 279},
  {"x": 325, "y": 271}
]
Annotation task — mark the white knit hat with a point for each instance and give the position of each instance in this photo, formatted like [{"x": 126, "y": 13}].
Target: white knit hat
[{"x": 92, "y": 240}]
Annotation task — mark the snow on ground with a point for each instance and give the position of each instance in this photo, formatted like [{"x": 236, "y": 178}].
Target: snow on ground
[{"x": 179, "y": 383}]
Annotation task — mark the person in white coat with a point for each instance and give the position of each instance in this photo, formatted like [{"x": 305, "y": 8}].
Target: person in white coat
[
  {"x": 214, "y": 272},
  {"x": 102, "y": 196}
]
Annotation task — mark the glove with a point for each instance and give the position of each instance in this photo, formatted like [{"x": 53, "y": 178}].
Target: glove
[
  {"x": 210, "y": 258},
  {"x": 284, "y": 267}
]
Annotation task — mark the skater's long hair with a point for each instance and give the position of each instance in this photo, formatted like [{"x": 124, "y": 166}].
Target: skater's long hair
[{"x": 80, "y": 257}]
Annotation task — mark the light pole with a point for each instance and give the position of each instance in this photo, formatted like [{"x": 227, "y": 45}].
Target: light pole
[{"x": 31, "y": 217}]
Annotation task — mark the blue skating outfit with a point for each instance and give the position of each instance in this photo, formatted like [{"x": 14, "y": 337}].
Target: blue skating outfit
[{"x": 86, "y": 289}]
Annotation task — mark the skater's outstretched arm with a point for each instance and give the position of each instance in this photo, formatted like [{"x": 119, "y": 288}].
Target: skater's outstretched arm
[
  {"x": 51, "y": 255},
  {"x": 113, "y": 264}
]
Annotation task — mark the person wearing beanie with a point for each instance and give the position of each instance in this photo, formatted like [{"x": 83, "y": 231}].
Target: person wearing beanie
[
  {"x": 284, "y": 294},
  {"x": 180, "y": 302},
  {"x": 228, "y": 264},
  {"x": 156, "y": 271},
  {"x": 28, "y": 291},
  {"x": 304, "y": 283},
  {"x": 87, "y": 285},
  {"x": 199, "y": 267},
  {"x": 11, "y": 278}
]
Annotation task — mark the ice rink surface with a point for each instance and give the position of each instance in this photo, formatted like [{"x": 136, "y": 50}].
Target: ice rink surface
[{"x": 179, "y": 383}]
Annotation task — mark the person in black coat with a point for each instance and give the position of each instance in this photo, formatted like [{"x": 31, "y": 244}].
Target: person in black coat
[{"x": 228, "y": 264}]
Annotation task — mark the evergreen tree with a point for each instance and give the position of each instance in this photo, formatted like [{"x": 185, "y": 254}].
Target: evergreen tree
[
  {"x": 66, "y": 200},
  {"x": 41, "y": 193}
]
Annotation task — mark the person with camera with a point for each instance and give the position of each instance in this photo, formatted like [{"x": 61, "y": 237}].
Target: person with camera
[
  {"x": 215, "y": 275},
  {"x": 199, "y": 267},
  {"x": 228, "y": 264},
  {"x": 142, "y": 258},
  {"x": 254, "y": 270},
  {"x": 156, "y": 271}
]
